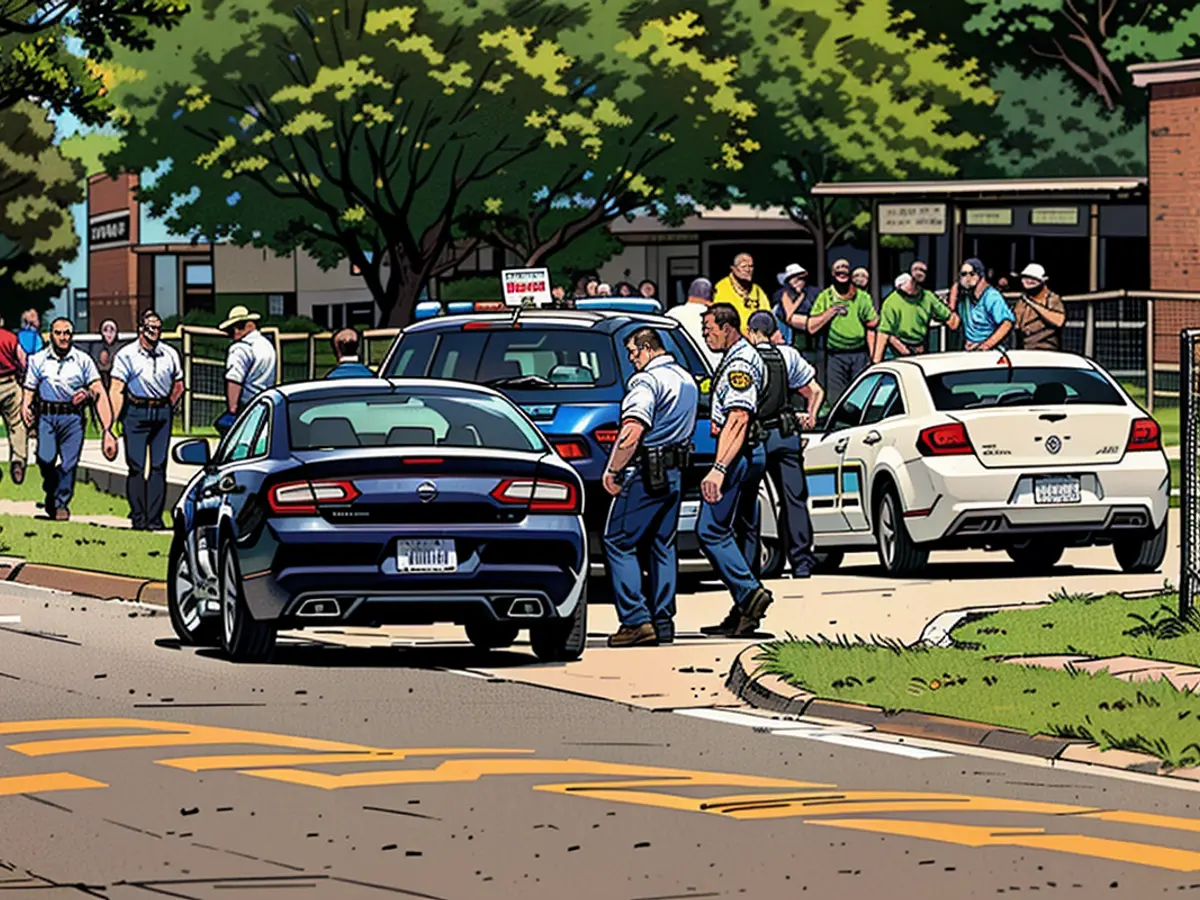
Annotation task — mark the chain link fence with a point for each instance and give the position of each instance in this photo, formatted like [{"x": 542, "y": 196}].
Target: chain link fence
[{"x": 1189, "y": 457}]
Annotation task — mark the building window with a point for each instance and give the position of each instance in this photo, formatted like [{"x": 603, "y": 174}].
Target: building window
[
  {"x": 275, "y": 306},
  {"x": 360, "y": 315},
  {"x": 81, "y": 310},
  {"x": 198, "y": 275}
]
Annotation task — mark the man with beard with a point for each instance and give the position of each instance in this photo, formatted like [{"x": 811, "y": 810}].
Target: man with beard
[
  {"x": 1040, "y": 314},
  {"x": 907, "y": 314},
  {"x": 60, "y": 379},
  {"x": 850, "y": 318},
  {"x": 739, "y": 290},
  {"x": 147, "y": 382}
]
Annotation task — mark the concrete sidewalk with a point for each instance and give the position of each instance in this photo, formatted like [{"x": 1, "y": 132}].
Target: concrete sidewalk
[{"x": 110, "y": 476}]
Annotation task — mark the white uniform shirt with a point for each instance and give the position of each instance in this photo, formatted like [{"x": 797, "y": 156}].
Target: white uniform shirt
[
  {"x": 148, "y": 374},
  {"x": 663, "y": 397},
  {"x": 740, "y": 377},
  {"x": 56, "y": 379},
  {"x": 691, "y": 317},
  {"x": 251, "y": 363}
]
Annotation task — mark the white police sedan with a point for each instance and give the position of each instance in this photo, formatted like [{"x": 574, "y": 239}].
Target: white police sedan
[{"x": 1028, "y": 452}]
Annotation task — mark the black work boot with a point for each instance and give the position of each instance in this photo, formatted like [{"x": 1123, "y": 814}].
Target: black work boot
[
  {"x": 751, "y": 618},
  {"x": 728, "y": 625}
]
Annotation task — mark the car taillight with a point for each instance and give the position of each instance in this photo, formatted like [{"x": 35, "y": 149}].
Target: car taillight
[
  {"x": 302, "y": 498},
  {"x": 606, "y": 437},
  {"x": 571, "y": 449},
  {"x": 539, "y": 495},
  {"x": 945, "y": 440},
  {"x": 1144, "y": 435}
]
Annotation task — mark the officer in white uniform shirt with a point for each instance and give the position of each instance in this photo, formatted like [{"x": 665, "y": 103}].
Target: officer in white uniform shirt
[
  {"x": 250, "y": 364},
  {"x": 691, "y": 316},
  {"x": 146, "y": 383},
  {"x": 59, "y": 381},
  {"x": 728, "y": 523}
]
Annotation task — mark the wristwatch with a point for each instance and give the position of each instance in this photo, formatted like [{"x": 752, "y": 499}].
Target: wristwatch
[{"x": 720, "y": 467}]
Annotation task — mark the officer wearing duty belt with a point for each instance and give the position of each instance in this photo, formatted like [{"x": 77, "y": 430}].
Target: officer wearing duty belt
[
  {"x": 147, "y": 382},
  {"x": 645, "y": 474},
  {"x": 789, "y": 376},
  {"x": 728, "y": 524}
]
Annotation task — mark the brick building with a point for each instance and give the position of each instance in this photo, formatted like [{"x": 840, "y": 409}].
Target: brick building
[{"x": 1174, "y": 168}]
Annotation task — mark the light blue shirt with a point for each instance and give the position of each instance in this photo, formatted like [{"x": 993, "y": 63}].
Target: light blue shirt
[
  {"x": 148, "y": 374},
  {"x": 30, "y": 340},
  {"x": 350, "y": 369},
  {"x": 663, "y": 397},
  {"x": 56, "y": 379},
  {"x": 740, "y": 377},
  {"x": 800, "y": 371},
  {"x": 982, "y": 317}
]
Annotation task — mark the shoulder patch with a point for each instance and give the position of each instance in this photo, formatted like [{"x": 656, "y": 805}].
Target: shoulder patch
[{"x": 739, "y": 381}]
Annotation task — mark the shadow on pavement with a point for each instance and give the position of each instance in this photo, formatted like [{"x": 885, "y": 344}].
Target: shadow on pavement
[
  {"x": 441, "y": 656},
  {"x": 974, "y": 571}
]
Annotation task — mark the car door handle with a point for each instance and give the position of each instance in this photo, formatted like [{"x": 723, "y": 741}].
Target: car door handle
[
  {"x": 841, "y": 445},
  {"x": 873, "y": 437}
]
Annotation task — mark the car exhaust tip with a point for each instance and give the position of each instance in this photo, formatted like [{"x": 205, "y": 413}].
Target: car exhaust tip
[
  {"x": 323, "y": 609},
  {"x": 525, "y": 608}
]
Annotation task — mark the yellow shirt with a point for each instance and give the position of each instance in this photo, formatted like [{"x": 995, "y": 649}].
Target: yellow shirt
[{"x": 725, "y": 292}]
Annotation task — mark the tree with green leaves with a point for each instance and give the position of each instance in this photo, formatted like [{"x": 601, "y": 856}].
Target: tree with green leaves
[
  {"x": 38, "y": 186},
  {"x": 848, "y": 90},
  {"x": 374, "y": 132},
  {"x": 1093, "y": 41},
  {"x": 671, "y": 127},
  {"x": 39, "y": 63}
]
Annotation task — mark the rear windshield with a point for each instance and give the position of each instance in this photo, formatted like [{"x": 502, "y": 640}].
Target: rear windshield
[
  {"x": 432, "y": 419},
  {"x": 516, "y": 358},
  {"x": 1021, "y": 386}
]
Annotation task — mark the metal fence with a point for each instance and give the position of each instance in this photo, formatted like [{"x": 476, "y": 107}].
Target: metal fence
[{"x": 1189, "y": 489}]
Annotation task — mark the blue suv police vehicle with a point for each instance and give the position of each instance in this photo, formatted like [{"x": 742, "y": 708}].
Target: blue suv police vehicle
[{"x": 568, "y": 369}]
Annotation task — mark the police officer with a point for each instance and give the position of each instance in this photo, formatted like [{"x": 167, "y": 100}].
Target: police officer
[
  {"x": 645, "y": 470},
  {"x": 788, "y": 374},
  {"x": 146, "y": 383},
  {"x": 730, "y": 490},
  {"x": 60, "y": 378},
  {"x": 249, "y": 365}
]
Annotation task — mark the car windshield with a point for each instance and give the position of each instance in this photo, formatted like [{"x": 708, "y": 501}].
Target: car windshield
[
  {"x": 428, "y": 419},
  {"x": 1019, "y": 386},
  {"x": 520, "y": 358}
]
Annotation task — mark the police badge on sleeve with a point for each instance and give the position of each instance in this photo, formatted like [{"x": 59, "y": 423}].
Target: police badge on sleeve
[{"x": 739, "y": 381}]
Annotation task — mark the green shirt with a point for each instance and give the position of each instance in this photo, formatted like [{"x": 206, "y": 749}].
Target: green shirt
[
  {"x": 908, "y": 318},
  {"x": 848, "y": 332}
]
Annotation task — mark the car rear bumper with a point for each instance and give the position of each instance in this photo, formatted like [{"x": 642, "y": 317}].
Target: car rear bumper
[
  {"x": 295, "y": 566},
  {"x": 960, "y": 502}
]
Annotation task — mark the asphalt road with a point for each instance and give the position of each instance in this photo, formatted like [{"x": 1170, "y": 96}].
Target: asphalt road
[{"x": 130, "y": 768}]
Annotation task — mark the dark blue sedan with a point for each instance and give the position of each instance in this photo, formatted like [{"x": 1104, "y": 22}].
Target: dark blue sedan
[{"x": 370, "y": 502}]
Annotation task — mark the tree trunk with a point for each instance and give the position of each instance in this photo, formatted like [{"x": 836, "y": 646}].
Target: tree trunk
[
  {"x": 400, "y": 310},
  {"x": 818, "y": 278}
]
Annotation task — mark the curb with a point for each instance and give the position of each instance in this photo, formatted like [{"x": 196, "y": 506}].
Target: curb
[
  {"x": 111, "y": 479},
  {"x": 84, "y": 582},
  {"x": 769, "y": 692}
]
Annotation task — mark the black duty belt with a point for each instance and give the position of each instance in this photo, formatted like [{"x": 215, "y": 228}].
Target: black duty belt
[
  {"x": 784, "y": 423},
  {"x": 49, "y": 408},
  {"x": 148, "y": 402},
  {"x": 675, "y": 457}
]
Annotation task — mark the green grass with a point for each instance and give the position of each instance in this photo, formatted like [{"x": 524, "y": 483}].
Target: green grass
[
  {"x": 1166, "y": 416},
  {"x": 117, "y": 551},
  {"x": 88, "y": 500},
  {"x": 969, "y": 680}
]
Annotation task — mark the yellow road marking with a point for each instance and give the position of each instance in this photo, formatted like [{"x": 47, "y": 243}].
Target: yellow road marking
[
  {"x": 49, "y": 781},
  {"x": 1031, "y": 839},
  {"x": 275, "y": 760},
  {"x": 1149, "y": 820}
]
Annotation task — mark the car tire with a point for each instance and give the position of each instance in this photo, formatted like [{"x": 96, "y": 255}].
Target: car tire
[
  {"x": 244, "y": 638},
  {"x": 828, "y": 561},
  {"x": 898, "y": 554},
  {"x": 770, "y": 558},
  {"x": 1144, "y": 553},
  {"x": 492, "y": 635},
  {"x": 561, "y": 640},
  {"x": 192, "y": 629},
  {"x": 1036, "y": 556}
]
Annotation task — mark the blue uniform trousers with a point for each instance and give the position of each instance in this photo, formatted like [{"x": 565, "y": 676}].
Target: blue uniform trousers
[
  {"x": 785, "y": 465},
  {"x": 634, "y": 516},
  {"x": 728, "y": 529},
  {"x": 147, "y": 428},
  {"x": 59, "y": 435}
]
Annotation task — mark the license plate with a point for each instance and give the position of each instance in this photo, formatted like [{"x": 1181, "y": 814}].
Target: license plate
[
  {"x": 426, "y": 556},
  {"x": 1056, "y": 489}
]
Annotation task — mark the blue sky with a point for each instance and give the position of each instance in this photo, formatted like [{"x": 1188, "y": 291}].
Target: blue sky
[{"x": 153, "y": 231}]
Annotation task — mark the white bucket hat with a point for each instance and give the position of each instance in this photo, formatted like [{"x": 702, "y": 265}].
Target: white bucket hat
[
  {"x": 1034, "y": 270},
  {"x": 237, "y": 315},
  {"x": 791, "y": 272}
]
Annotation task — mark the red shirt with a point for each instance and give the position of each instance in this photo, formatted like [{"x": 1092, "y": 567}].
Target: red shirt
[{"x": 9, "y": 364}]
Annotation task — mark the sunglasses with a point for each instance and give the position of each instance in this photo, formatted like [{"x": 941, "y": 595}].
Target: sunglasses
[{"x": 966, "y": 272}]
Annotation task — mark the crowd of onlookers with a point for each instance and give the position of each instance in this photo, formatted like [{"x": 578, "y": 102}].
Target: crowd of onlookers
[{"x": 844, "y": 328}]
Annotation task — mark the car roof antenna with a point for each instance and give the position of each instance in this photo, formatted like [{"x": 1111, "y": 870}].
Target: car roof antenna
[{"x": 516, "y": 315}]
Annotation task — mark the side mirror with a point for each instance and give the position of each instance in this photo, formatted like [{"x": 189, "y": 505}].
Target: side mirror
[{"x": 191, "y": 453}]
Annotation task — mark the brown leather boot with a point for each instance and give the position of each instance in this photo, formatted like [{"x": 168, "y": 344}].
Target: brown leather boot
[{"x": 634, "y": 636}]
